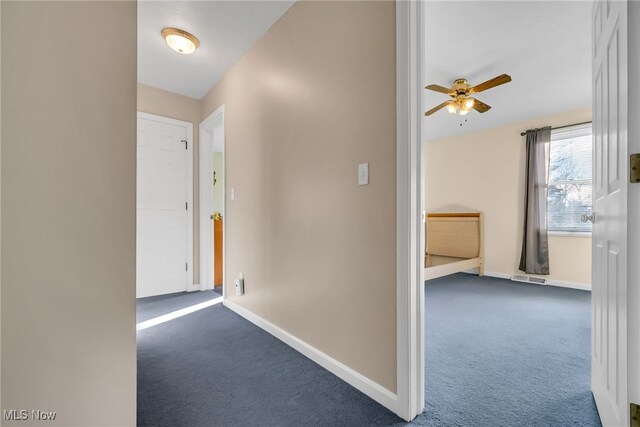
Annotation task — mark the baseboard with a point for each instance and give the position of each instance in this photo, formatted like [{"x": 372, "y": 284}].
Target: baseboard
[
  {"x": 372, "y": 389},
  {"x": 497, "y": 275},
  {"x": 476, "y": 271},
  {"x": 569, "y": 285},
  {"x": 557, "y": 283}
]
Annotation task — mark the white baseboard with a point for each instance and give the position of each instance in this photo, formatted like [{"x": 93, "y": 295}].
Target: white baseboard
[
  {"x": 581, "y": 286},
  {"x": 476, "y": 271},
  {"x": 372, "y": 389},
  {"x": 497, "y": 275},
  {"x": 560, "y": 284}
]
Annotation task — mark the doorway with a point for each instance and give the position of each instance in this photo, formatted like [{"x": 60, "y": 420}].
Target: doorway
[
  {"x": 489, "y": 177},
  {"x": 613, "y": 365},
  {"x": 164, "y": 225},
  {"x": 212, "y": 202}
]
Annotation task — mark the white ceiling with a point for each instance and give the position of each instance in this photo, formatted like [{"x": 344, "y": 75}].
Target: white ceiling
[
  {"x": 543, "y": 45},
  {"x": 226, "y": 30}
]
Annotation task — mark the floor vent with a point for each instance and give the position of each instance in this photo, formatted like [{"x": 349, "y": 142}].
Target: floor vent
[{"x": 527, "y": 279}]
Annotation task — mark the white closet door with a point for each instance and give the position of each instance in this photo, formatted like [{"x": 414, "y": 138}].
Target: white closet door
[{"x": 162, "y": 211}]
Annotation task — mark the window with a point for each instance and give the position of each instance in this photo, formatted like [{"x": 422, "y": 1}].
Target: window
[{"x": 570, "y": 153}]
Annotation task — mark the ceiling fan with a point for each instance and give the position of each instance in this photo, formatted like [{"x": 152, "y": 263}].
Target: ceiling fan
[{"x": 461, "y": 101}]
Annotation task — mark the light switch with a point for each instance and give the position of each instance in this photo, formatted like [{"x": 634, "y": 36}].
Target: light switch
[
  {"x": 233, "y": 194},
  {"x": 363, "y": 174}
]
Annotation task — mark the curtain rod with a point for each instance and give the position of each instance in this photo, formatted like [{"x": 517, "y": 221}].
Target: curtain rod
[{"x": 559, "y": 127}]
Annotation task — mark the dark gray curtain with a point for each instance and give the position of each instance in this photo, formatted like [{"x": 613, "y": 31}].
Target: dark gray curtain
[{"x": 535, "y": 245}]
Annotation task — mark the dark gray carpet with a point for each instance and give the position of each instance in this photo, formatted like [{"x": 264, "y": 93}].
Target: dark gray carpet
[
  {"x": 213, "y": 368},
  {"x": 498, "y": 353},
  {"x": 150, "y": 307},
  {"x": 501, "y": 353},
  {"x": 218, "y": 289}
]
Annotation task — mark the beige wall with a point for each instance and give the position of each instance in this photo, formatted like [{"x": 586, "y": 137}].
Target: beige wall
[
  {"x": 485, "y": 171},
  {"x": 309, "y": 102},
  {"x": 68, "y": 211},
  {"x": 168, "y": 104}
]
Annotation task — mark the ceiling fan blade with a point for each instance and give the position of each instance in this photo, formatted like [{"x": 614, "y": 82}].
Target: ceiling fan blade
[
  {"x": 440, "y": 89},
  {"x": 480, "y": 106},
  {"x": 434, "y": 109},
  {"x": 496, "y": 81}
]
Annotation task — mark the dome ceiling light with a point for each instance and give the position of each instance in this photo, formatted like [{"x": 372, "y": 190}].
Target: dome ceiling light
[{"x": 180, "y": 40}]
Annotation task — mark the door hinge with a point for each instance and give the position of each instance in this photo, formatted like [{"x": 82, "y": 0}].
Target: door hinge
[
  {"x": 186, "y": 267},
  {"x": 186, "y": 206},
  {"x": 635, "y": 415},
  {"x": 634, "y": 168},
  {"x": 186, "y": 144}
]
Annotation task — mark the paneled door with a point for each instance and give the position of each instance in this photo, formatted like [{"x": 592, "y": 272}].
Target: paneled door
[
  {"x": 610, "y": 177},
  {"x": 163, "y": 198}
]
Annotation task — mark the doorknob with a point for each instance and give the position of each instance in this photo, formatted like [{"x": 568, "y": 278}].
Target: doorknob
[{"x": 588, "y": 217}]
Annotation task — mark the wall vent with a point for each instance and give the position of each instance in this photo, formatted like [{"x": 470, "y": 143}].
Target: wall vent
[{"x": 527, "y": 279}]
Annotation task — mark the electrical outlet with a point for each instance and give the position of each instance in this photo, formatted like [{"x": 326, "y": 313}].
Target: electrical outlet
[{"x": 240, "y": 285}]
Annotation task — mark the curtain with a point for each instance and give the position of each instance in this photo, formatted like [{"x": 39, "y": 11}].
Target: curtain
[{"x": 535, "y": 245}]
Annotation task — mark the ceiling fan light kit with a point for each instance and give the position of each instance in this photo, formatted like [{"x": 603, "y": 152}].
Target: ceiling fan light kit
[{"x": 461, "y": 101}]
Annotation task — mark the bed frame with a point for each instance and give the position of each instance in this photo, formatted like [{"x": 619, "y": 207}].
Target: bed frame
[{"x": 454, "y": 243}]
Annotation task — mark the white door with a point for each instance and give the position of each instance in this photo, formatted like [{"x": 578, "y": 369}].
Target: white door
[
  {"x": 610, "y": 177},
  {"x": 162, "y": 206}
]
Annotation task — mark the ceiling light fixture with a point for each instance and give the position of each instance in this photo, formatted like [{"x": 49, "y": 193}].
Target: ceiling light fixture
[
  {"x": 461, "y": 101},
  {"x": 180, "y": 40}
]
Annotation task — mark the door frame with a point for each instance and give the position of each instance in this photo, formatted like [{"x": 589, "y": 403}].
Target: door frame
[
  {"x": 206, "y": 128},
  {"x": 633, "y": 208},
  {"x": 189, "y": 285},
  {"x": 409, "y": 206}
]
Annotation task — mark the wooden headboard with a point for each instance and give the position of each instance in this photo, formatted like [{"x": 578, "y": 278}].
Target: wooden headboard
[{"x": 455, "y": 234}]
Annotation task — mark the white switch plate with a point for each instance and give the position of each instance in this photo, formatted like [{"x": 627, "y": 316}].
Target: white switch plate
[
  {"x": 363, "y": 174},
  {"x": 233, "y": 194}
]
